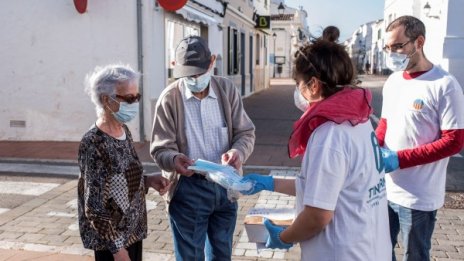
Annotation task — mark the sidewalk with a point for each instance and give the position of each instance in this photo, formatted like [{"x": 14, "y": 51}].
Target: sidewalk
[
  {"x": 45, "y": 228},
  {"x": 272, "y": 112}
]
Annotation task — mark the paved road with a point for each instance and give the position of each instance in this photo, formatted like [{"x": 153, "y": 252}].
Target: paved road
[{"x": 16, "y": 190}]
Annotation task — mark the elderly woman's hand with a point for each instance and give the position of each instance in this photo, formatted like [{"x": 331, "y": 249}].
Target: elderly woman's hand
[
  {"x": 121, "y": 255},
  {"x": 159, "y": 183}
]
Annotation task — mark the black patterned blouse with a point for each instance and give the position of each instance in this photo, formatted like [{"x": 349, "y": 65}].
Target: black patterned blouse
[{"x": 111, "y": 193}]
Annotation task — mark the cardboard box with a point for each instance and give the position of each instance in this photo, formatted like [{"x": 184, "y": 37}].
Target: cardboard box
[{"x": 254, "y": 226}]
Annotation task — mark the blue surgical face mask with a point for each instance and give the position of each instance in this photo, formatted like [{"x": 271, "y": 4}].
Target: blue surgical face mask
[
  {"x": 198, "y": 84},
  {"x": 127, "y": 112}
]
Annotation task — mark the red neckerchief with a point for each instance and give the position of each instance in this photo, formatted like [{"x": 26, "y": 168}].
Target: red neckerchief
[
  {"x": 350, "y": 104},
  {"x": 410, "y": 76}
]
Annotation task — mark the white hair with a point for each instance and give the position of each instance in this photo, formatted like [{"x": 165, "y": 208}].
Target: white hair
[{"x": 104, "y": 81}]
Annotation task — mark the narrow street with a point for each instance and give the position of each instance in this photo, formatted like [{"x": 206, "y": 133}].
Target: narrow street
[{"x": 42, "y": 222}]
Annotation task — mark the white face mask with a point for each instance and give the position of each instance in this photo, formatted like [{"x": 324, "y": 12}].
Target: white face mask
[
  {"x": 397, "y": 61},
  {"x": 300, "y": 101},
  {"x": 198, "y": 84}
]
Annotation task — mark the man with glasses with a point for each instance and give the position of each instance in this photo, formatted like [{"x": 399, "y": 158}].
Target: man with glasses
[
  {"x": 200, "y": 116},
  {"x": 421, "y": 126}
]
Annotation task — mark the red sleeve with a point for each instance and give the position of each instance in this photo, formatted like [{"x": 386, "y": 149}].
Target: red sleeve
[
  {"x": 450, "y": 143},
  {"x": 381, "y": 130}
]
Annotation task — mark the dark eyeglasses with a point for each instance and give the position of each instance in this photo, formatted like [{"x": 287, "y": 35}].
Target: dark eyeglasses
[
  {"x": 129, "y": 98},
  {"x": 395, "y": 47}
]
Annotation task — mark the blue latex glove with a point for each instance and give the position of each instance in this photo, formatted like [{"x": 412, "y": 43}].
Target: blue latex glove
[
  {"x": 390, "y": 159},
  {"x": 273, "y": 240},
  {"x": 260, "y": 182}
]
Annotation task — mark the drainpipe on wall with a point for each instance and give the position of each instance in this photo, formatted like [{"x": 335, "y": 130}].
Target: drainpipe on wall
[{"x": 140, "y": 68}]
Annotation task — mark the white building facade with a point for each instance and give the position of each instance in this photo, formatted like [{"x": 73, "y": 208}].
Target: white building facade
[
  {"x": 289, "y": 31},
  {"x": 444, "y": 33},
  {"x": 50, "y": 47}
]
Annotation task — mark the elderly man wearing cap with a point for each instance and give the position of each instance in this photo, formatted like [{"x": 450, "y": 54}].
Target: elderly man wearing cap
[{"x": 200, "y": 116}]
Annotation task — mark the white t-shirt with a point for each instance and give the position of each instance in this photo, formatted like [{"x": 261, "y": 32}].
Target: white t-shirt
[
  {"x": 342, "y": 172},
  {"x": 416, "y": 111}
]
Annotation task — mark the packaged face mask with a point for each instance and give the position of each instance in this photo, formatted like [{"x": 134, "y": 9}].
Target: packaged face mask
[{"x": 224, "y": 175}]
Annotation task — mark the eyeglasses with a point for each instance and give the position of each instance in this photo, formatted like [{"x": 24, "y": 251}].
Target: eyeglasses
[
  {"x": 395, "y": 47},
  {"x": 129, "y": 98}
]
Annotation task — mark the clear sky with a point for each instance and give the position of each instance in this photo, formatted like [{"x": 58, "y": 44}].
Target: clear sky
[{"x": 345, "y": 14}]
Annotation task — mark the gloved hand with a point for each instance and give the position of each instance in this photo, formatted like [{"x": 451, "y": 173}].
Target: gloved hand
[
  {"x": 273, "y": 240},
  {"x": 390, "y": 160},
  {"x": 260, "y": 182}
]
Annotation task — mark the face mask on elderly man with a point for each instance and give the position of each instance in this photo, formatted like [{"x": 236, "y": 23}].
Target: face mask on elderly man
[{"x": 198, "y": 84}]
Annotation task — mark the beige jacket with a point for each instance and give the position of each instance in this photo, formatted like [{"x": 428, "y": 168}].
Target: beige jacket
[{"x": 168, "y": 137}]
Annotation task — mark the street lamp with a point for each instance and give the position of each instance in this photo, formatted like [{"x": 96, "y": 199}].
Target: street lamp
[
  {"x": 274, "y": 36},
  {"x": 427, "y": 9},
  {"x": 281, "y": 9}
]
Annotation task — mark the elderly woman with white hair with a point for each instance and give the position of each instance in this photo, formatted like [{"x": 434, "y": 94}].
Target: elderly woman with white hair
[{"x": 111, "y": 188}]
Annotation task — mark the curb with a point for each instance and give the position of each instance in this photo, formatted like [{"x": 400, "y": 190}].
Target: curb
[{"x": 69, "y": 168}]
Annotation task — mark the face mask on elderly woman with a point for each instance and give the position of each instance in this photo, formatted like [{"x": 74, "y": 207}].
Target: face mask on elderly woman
[{"x": 126, "y": 112}]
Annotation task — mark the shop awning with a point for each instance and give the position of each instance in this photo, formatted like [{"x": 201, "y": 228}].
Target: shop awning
[{"x": 193, "y": 15}]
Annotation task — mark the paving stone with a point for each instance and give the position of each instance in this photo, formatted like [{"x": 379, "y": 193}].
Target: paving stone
[
  {"x": 28, "y": 229},
  {"x": 73, "y": 240},
  {"x": 446, "y": 231},
  {"x": 439, "y": 254},
  {"x": 57, "y": 240},
  {"x": 455, "y": 256},
  {"x": 251, "y": 252},
  {"x": 246, "y": 245},
  {"x": 278, "y": 255},
  {"x": 456, "y": 242},
  {"x": 6, "y": 236},
  {"x": 445, "y": 248},
  {"x": 53, "y": 231}
]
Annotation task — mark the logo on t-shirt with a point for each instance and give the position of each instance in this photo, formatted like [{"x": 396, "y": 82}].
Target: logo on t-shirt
[{"x": 418, "y": 104}]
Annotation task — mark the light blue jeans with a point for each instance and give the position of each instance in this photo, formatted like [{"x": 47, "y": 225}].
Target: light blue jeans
[
  {"x": 201, "y": 213},
  {"x": 416, "y": 230}
]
